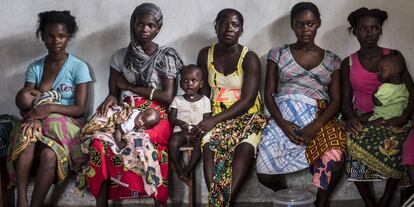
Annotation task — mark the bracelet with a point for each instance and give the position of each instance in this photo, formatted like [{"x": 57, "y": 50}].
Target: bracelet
[{"x": 151, "y": 94}]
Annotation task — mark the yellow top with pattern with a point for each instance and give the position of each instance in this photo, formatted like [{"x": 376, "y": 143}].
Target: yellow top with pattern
[{"x": 226, "y": 89}]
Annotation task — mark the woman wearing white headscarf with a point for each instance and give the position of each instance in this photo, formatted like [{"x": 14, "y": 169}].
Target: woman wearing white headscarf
[{"x": 143, "y": 75}]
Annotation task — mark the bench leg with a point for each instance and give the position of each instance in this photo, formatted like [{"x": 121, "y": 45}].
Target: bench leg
[{"x": 192, "y": 187}]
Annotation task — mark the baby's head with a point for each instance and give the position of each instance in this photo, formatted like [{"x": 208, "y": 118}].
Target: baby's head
[
  {"x": 191, "y": 79},
  {"x": 26, "y": 97},
  {"x": 390, "y": 68},
  {"x": 147, "y": 119}
]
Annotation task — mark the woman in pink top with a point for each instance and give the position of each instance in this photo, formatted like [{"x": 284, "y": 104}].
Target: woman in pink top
[{"x": 359, "y": 83}]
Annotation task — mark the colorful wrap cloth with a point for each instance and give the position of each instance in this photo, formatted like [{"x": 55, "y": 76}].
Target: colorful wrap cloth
[
  {"x": 139, "y": 155},
  {"x": 61, "y": 134},
  {"x": 129, "y": 175},
  {"x": 379, "y": 150},
  {"x": 278, "y": 155},
  {"x": 47, "y": 97},
  {"x": 224, "y": 139}
]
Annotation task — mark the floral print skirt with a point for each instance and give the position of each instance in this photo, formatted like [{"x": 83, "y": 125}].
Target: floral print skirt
[
  {"x": 376, "y": 153},
  {"x": 223, "y": 141}
]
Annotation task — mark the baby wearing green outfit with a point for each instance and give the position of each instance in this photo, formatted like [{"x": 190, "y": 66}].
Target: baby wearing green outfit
[{"x": 391, "y": 99}]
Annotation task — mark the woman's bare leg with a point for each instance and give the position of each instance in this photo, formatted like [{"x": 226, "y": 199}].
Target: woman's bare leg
[
  {"x": 241, "y": 166},
  {"x": 322, "y": 196},
  {"x": 390, "y": 187},
  {"x": 23, "y": 164},
  {"x": 274, "y": 182},
  {"x": 365, "y": 192},
  {"x": 208, "y": 165},
  {"x": 102, "y": 199},
  {"x": 45, "y": 176}
]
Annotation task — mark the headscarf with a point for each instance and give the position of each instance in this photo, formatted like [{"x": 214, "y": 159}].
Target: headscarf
[
  {"x": 165, "y": 59},
  {"x": 145, "y": 8}
]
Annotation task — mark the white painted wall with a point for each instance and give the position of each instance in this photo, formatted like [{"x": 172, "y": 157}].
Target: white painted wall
[{"x": 188, "y": 26}]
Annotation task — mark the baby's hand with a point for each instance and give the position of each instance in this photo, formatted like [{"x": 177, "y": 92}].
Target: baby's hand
[
  {"x": 118, "y": 139},
  {"x": 121, "y": 144},
  {"x": 184, "y": 126},
  {"x": 36, "y": 93}
]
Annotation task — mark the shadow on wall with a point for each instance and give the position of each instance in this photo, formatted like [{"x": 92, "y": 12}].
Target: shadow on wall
[
  {"x": 16, "y": 53},
  {"x": 278, "y": 33},
  {"x": 90, "y": 110},
  {"x": 331, "y": 37},
  {"x": 191, "y": 44},
  {"x": 96, "y": 49}
]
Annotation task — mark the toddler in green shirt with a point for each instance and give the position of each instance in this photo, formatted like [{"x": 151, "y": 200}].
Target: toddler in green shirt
[{"x": 391, "y": 98}]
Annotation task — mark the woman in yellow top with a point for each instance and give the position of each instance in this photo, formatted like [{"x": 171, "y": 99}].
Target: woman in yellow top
[{"x": 231, "y": 135}]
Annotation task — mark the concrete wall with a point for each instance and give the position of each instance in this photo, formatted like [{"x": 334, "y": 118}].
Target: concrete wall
[{"x": 188, "y": 26}]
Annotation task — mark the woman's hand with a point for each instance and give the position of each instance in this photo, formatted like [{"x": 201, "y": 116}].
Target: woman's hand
[
  {"x": 109, "y": 101},
  {"x": 40, "y": 112},
  {"x": 354, "y": 125},
  {"x": 310, "y": 131},
  {"x": 203, "y": 127},
  {"x": 33, "y": 126},
  {"x": 122, "y": 83},
  {"x": 287, "y": 127}
]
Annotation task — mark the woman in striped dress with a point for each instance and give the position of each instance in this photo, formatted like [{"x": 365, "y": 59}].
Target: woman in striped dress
[{"x": 302, "y": 95}]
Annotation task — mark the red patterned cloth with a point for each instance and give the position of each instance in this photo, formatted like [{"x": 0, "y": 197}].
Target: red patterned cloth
[{"x": 124, "y": 183}]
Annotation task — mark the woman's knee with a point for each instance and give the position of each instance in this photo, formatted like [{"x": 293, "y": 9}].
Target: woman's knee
[
  {"x": 29, "y": 150},
  {"x": 244, "y": 150},
  {"x": 48, "y": 156},
  {"x": 266, "y": 179}
]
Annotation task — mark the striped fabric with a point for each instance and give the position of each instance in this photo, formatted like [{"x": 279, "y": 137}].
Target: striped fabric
[
  {"x": 293, "y": 79},
  {"x": 276, "y": 153}
]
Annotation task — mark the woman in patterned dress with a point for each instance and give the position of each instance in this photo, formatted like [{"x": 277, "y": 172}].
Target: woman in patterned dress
[
  {"x": 232, "y": 133},
  {"x": 374, "y": 152},
  {"x": 142, "y": 75},
  {"x": 55, "y": 145},
  {"x": 302, "y": 94}
]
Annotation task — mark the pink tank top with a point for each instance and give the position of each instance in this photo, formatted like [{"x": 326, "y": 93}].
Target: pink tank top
[{"x": 364, "y": 83}]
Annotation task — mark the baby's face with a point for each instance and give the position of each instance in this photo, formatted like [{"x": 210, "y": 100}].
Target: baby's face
[
  {"x": 139, "y": 122},
  {"x": 146, "y": 120},
  {"x": 386, "y": 71},
  {"x": 29, "y": 96},
  {"x": 192, "y": 81}
]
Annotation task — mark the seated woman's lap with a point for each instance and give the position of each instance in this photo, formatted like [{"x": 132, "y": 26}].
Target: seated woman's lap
[
  {"x": 253, "y": 140},
  {"x": 278, "y": 155},
  {"x": 376, "y": 153},
  {"x": 104, "y": 164},
  {"x": 60, "y": 135}
]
